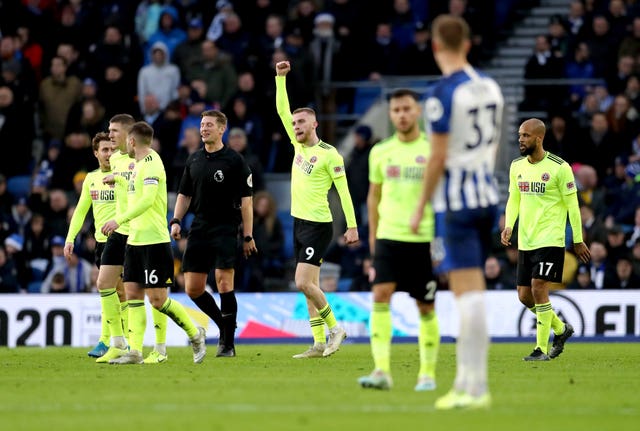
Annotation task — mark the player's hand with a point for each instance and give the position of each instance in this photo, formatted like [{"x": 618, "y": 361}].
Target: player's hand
[
  {"x": 249, "y": 248},
  {"x": 416, "y": 218},
  {"x": 68, "y": 250},
  {"x": 109, "y": 179},
  {"x": 582, "y": 251},
  {"x": 109, "y": 227},
  {"x": 505, "y": 237},
  {"x": 176, "y": 231},
  {"x": 282, "y": 68},
  {"x": 372, "y": 274},
  {"x": 351, "y": 235}
]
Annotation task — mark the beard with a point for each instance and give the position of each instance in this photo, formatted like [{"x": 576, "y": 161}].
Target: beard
[{"x": 527, "y": 151}]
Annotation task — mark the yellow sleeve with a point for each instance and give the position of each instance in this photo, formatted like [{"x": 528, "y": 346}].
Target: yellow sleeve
[{"x": 283, "y": 108}]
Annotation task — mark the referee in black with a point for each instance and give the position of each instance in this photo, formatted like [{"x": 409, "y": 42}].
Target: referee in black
[{"x": 216, "y": 186}]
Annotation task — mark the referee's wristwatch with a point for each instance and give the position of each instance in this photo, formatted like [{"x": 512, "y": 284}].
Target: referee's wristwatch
[{"x": 248, "y": 238}]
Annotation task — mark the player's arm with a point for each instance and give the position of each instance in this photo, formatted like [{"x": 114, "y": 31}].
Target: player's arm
[
  {"x": 142, "y": 203},
  {"x": 342, "y": 187},
  {"x": 282, "y": 98},
  {"x": 512, "y": 209},
  {"x": 373, "y": 200},
  {"x": 246, "y": 211},
  {"x": 570, "y": 201},
  {"x": 179, "y": 211},
  {"x": 78, "y": 217},
  {"x": 433, "y": 172}
]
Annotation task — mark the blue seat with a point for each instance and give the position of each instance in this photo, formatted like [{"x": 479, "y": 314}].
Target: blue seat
[
  {"x": 364, "y": 98},
  {"x": 19, "y": 186}
]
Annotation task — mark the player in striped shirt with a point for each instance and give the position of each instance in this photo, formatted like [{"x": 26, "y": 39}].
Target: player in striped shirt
[{"x": 463, "y": 116}]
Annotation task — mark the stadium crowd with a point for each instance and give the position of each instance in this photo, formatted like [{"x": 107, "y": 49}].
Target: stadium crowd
[{"x": 68, "y": 66}]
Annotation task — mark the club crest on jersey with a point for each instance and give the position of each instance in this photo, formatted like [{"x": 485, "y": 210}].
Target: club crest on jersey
[
  {"x": 434, "y": 109},
  {"x": 218, "y": 176},
  {"x": 338, "y": 169},
  {"x": 393, "y": 171},
  {"x": 545, "y": 177},
  {"x": 313, "y": 159},
  {"x": 570, "y": 185},
  {"x": 131, "y": 166},
  {"x": 421, "y": 159}
]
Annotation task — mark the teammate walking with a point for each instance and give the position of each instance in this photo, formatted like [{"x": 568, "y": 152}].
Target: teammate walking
[
  {"x": 542, "y": 193},
  {"x": 148, "y": 266},
  {"x": 463, "y": 115},
  {"x": 401, "y": 259}
]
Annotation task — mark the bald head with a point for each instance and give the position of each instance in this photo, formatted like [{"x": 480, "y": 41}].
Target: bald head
[{"x": 530, "y": 137}]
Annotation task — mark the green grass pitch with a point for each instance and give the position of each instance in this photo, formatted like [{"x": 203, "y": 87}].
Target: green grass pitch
[{"x": 591, "y": 386}]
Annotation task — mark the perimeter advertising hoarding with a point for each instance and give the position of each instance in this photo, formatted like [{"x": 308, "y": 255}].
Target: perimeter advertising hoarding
[{"x": 74, "y": 319}]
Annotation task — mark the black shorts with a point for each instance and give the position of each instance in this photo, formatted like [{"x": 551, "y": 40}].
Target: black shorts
[
  {"x": 114, "y": 249},
  {"x": 544, "y": 263},
  {"x": 408, "y": 265},
  {"x": 204, "y": 252},
  {"x": 98, "y": 254},
  {"x": 311, "y": 240},
  {"x": 149, "y": 265}
]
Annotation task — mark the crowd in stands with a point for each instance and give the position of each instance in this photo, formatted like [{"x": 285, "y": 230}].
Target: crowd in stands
[{"x": 68, "y": 66}]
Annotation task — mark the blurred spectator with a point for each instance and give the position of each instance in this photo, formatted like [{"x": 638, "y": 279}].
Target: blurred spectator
[
  {"x": 597, "y": 146},
  {"x": 76, "y": 65},
  {"x": 558, "y": 38},
  {"x": 43, "y": 172},
  {"x": 88, "y": 114},
  {"x": 20, "y": 216},
  {"x": 270, "y": 39},
  {"x": 13, "y": 246},
  {"x": 239, "y": 115},
  {"x": 76, "y": 155},
  {"x": 601, "y": 269},
  {"x": 159, "y": 78},
  {"x": 588, "y": 190},
  {"x": 583, "y": 279},
  {"x": 624, "y": 121},
  {"x": 616, "y": 246},
  {"x": 236, "y": 41},
  {"x": 357, "y": 169},
  {"x": 494, "y": 277},
  {"x": 224, "y": 8},
  {"x": 630, "y": 45},
  {"x": 635, "y": 230},
  {"x": 349, "y": 257},
  {"x": 403, "y": 23},
  {"x": 189, "y": 144},
  {"x": 8, "y": 274},
  {"x": 626, "y": 277},
  {"x": 58, "y": 92},
  {"x": 593, "y": 228},
  {"x": 56, "y": 212},
  {"x": 329, "y": 276},
  {"x": 302, "y": 15},
  {"x": 147, "y": 18},
  {"x": 622, "y": 202},
  {"x": 635, "y": 257},
  {"x": 383, "y": 53},
  {"x": 36, "y": 246},
  {"x": 57, "y": 284},
  {"x": 258, "y": 271},
  {"x": 579, "y": 66},
  {"x": 561, "y": 134},
  {"x": 617, "y": 79},
  {"x": 543, "y": 64},
  {"x": 76, "y": 272},
  {"x": 417, "y": 58},
  {"x": 187, "y": 52},
  {"x": 169, "y": 33},
  {"x": 31, "y": 50},
  {"x": 112, "y": 49},
  {"x": 14, "y": 128},
  {"x": 601, "y": 41},
  {"x": 632, "y": 91},
  {"x": 237, "y": 141},
  {"x": 6, "y": 198},
  {"x": 117, "y": 91},
  {"x": 618, "y": 19},
  {"x": 215, "y": 69},
  {"x": 575, "y": 20}
]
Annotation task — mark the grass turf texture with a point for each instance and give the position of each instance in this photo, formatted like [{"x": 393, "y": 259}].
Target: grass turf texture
[{"x": 589, "y": 387}]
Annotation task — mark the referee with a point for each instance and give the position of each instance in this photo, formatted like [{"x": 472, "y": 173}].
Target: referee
[{"x": 217, "y": 186}]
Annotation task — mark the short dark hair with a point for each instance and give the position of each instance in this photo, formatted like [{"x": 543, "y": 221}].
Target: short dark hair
[
  {"x": 221, "y": 119},
  {"x": 143, "y": 132},
  {"x": 100, "y": 137},
  {"x": 403, "y": 92},
  {"x": 123, "y": 119}
]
